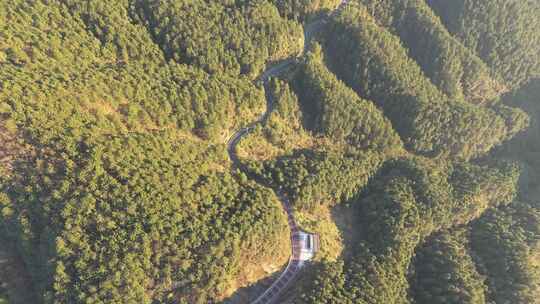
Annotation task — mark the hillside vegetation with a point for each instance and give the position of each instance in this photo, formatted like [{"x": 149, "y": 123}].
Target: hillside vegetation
[
  {"x": 454, "y": 69},
  {"x": 403, "y": 132},
  {"x": 243, "y": 36},
  {"x": 503, "y": 33},
  {"x": 333, "y": 110},
  {"x": 429, "y": 121},
  {"x": 305, "y": 9},
  {"x": 445, "y": 271},
  {"x": 124, "y": 194},
  {"x": 409, "y": 200}
]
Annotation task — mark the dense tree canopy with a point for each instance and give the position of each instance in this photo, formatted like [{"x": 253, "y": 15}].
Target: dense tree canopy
[
  {"x": 409, "y": 200},
  {"x": 316, "y": 177},
  {"x": 304, "y": 9},
  {"x": 242, "y": 38},
  {"x": 63, "y": 215},
  {"x": 503, "y": 33},
  {"x": 334, "y": 110},
  {"x": 118, "y": 140},
  {"x": 453, "y": 68},
  {"x": 506, "y": 245},
  {"x": 393, "y": 128},
  {"x": 444, "y": 272},
  {"x": 428, "y": 120}
]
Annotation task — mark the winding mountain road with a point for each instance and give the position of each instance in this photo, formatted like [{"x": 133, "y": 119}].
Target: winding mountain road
[{"x": 295, "y": 261}]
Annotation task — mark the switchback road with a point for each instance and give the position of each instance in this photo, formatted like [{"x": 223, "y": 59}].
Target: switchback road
[{"x": 271, "y": 295}]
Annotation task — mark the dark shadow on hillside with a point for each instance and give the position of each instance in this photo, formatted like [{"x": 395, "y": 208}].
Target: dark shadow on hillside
[
  {"x": 525, "y": 146},
  {"x": 246, "y": 295},
  {"x": 15, "y": 282},
  {"x": 346, "y": 216}
]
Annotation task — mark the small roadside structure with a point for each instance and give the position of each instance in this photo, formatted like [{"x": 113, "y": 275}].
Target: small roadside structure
[{"x": 309, "y": 245}]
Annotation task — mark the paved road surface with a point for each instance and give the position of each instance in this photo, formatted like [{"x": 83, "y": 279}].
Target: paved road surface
[{"x": 271, "y": 295}]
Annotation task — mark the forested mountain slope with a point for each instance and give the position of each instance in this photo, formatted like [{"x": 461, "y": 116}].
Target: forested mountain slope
[
  {"x": 445, "y": 271},
  {"x": 304, "y": 9},
  {"x": 453, "y": 68},
  {"x": 503, "y": 33},
  {"x": 109, "y": 129},
  {"x": 373, "y": 62},
  {"x": 403, "y": 132},
  {"x": 334, "y": 110},
  {"x": 242, "y": 36},
  {"x": 409, "y": 200},
  {"x": 505, "y": 243}
]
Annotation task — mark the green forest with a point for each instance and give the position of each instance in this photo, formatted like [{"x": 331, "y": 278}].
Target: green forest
[{"x": 150, "y": 150}]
